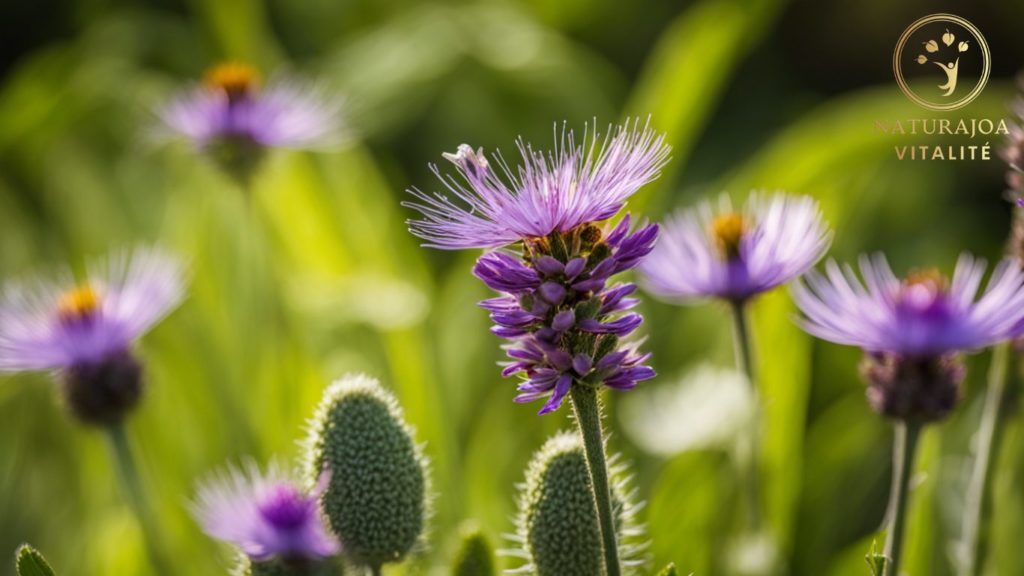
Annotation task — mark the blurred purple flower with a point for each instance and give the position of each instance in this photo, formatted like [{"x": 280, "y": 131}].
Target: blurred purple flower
[
  {"x": 563, "y": 318},
  {"x": 265, "y": 515},
  {"x": 52, "y": 325},
  {"x": 736, "y": 256},
  {"x": 232, "y": 108},
  {"x": 554, "y": 191},
  {"x": 923, "y": 315}
]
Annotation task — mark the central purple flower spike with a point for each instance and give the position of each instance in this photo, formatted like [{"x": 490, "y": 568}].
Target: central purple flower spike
[
  {"x": 266, "y": 516},
  {"x": 560, "y": 310}
]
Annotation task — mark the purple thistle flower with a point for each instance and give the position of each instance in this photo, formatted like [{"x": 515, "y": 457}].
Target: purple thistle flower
[
  {"x": 560, "y": 311},
  {"x": 266, "y": 515},
  {"x": 920, "y": 316},
  {"x": 913, "y": 330},
  {"x": 58, "y": 325},
  {"x": 231, "y": 108},
  {"x": 563, "y": 318},
  {"x": 557, "y": 191},
  {"x": 86, "y": 331},
  {"x": 736, "y": 256}
]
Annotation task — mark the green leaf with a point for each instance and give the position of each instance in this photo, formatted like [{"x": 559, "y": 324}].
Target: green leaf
[
  {"x": 690, "y": 512},
  {"x": 876, "y": 561},
  {"x": 669, "y": 570},
  {"x": 708, "y": 42},
  {"x": 31, "y": 563}
]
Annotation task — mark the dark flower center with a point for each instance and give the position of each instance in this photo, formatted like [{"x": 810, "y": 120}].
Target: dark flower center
[
  {"x": 727, "y": 231},
  {"x": 285, "y": 507}
]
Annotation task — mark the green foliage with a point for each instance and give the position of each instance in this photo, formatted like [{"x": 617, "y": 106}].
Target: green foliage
[
  {"x": 29, "y": 562},
  {"x": 376, "y": 501},
  {"x": 280, "y": 567},
  {"x": 313, "y": 273},
  {"x": 557, "y": 523},
  {"x": 475, "y": 556},
  {"x": 669, "y": 570},
  {"x": 876, "y": 561}
]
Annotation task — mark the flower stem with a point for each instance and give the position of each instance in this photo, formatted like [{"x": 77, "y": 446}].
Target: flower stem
[
  {"x": 745, "y": 364},
  {"x": 132, "y": 485},
  {"x": 988, "y": 439},
  {"x": 904, "y": 449},
  {"x": 588, "y": 417}
]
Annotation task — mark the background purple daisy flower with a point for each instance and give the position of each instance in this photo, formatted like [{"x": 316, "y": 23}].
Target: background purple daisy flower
[
  {"x": 232, "y": 107},
  {"x": 555, "y": 191},
  {"x": 60, "y": 324},
  {"x": 735, "y": 256},
  {"x": 266, "y": 515},
  {"x": 922, "y": 315}
]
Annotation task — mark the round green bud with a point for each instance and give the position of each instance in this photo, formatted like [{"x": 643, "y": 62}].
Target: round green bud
[
  {"x": 376, "y": 501},
  {"x": 475, "y": 556},
  {"x": 557, "y": 523}
]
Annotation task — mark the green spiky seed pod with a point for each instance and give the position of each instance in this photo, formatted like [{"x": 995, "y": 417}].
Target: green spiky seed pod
[
  {"x": 29, "y": 562},
  {"x": 557, "y": 523},
  {"x": 376, "y": 501},
  {"x": 475, "y": 556},
  {"x": 290, "y": 567},
  {"x": 669, "y": 570}
]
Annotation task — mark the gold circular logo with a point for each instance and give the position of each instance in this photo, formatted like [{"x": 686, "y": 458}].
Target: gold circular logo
[{"x": 942, "y": 62}]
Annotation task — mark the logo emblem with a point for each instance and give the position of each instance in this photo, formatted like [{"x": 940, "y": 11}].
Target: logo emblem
[{"x": 942, "y": 62}]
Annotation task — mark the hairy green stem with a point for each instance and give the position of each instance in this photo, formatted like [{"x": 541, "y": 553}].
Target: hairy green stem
[
  {"x": 751, "y": 459},
  {"x": 131, "y": 483},
  {"x": 904, "y": 449},
  {"x": 988, "y": 439},
  {"x": 588, "y": 418}
]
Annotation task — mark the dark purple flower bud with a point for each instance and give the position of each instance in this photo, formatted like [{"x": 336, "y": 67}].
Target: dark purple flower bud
[
  {"x": 552, "y": 292},
  {"x": 548, "y": 266},
  {"x": 506, "y": 332},
  {"x": 575, "y": 267},
  {"x": 619, "y": 327},
  {"x": 592, "y": 285},
  {"x": 560, "y": 359},
  {"x": 504, "y": 273},
  {"x": 564, "y": 320},
  {"x": 558, "y": 395},
  {"x": 582, "y": 364}
]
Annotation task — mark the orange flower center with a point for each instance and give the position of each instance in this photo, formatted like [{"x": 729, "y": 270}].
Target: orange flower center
[
  {"x": 928, "y": 278},
  {"x": 78, "y": 304},
  {"x": 727, "y": 230},
  {"x": 234, "y": 78}
]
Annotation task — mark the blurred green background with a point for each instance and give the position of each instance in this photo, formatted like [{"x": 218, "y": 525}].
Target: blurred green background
[{"x": 315, "y": 275}]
